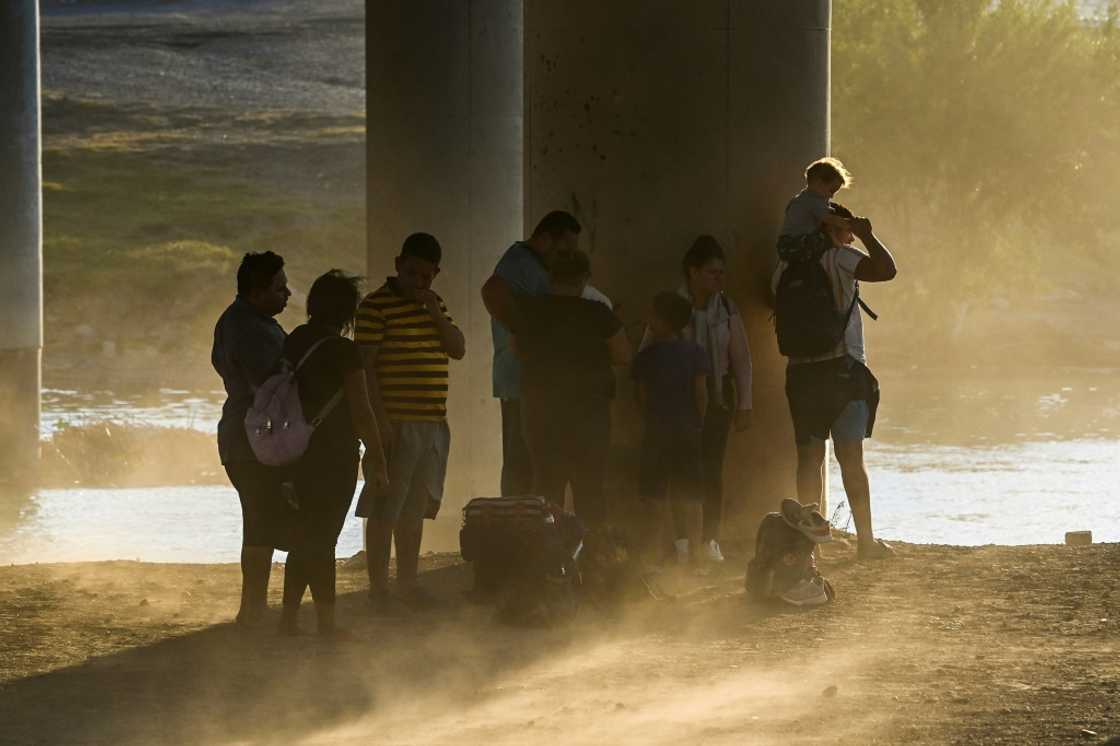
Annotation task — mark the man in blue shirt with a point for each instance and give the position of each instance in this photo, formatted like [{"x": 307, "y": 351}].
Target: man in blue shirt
[
  {"x": 522, "y": 270},
  {"x": 247, "y": 346}
]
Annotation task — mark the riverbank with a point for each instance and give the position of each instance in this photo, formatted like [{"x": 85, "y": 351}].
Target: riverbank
[{"x": 944, "y": 645}]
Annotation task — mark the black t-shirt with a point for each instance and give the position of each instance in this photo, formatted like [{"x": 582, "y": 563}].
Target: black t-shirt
[
  {"x": 562, "y": 342},
  {"x": 320, "y": 378}
]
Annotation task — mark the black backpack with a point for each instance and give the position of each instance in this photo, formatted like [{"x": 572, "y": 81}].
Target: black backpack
[{"x": 805, "y": 315}]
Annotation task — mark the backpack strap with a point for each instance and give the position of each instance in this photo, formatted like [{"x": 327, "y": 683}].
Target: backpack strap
[
  {"x": 310, "y": 350},
  {"x": 334, "y": 400}
]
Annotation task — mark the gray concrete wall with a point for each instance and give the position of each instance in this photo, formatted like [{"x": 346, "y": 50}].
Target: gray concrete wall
[
  {"x": 657, "y": 120},
  {"x": 444, "y": 92},
  {"x": 21, "y": 332}
]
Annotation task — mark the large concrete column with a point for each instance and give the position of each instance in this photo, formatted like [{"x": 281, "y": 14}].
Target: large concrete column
[
  {"x": 21, "y": 331},
  {"x": 655, "y": 121},
  {"x": 444, "y": 108}
]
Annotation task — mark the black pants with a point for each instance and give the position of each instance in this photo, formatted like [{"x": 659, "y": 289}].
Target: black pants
[
  {"x": 517, "y": 467},
  {"x": 325, "y": 481},
  {"x": 713, "y": 447},
  {"x": 568, "y": 443}
]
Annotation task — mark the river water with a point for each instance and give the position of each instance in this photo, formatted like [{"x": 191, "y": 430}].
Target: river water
[{"x": 954, "y": 461}]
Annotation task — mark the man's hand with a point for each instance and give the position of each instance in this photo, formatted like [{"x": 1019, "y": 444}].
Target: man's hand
[
  {"x": 861, "y": 227},
  {"x": 388, "y": 436},
  {"x": 429, "y": 300},
  {"x": 743, "y": 419},
  {"x": 375, "y": 469}
]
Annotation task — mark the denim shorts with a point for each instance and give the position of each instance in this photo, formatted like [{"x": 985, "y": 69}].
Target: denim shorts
[
  {"x": 852, "y": 422},
  {"x": 417, "y": 470}
]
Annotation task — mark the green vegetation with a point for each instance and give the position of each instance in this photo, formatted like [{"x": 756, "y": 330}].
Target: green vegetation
[
  {"x": 113, "y": 454},
  {"x": 158, "y": 208},
  {"x": 985, "y": 139}
]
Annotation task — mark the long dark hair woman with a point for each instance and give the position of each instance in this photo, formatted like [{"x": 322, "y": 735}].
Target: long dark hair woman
[
  {"x": 716, "y": 326},
  {"x": 332, "y": 386}
]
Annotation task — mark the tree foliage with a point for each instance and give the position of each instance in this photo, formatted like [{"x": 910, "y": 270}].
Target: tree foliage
[{"x": 985, "y": 140}]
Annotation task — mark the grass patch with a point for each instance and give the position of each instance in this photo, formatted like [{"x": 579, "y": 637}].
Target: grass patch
[
  {"x": 141, "y": 243},
  {"x": 112, "y": 454}
]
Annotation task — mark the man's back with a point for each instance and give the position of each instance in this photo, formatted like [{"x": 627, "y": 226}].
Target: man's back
[
  {"x": 840, "y": 264},
  {"x": 562, "y": 343},
  {"x": 526, "y": 275}
]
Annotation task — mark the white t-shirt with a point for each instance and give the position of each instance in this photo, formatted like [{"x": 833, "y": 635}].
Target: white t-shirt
[
  {"x": 590, "y": 292},
  {"x": 840, "y": 264}
]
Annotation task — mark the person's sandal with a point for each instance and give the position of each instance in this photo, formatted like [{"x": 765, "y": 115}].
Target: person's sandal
[{"x": 877, "y": 551}]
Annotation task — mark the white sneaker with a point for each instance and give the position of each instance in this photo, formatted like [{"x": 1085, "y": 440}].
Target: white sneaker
[
  {"x": 807, "y": 593},
  {"x": 681, "y": 546},
  {"x": 711, "y": 551}
]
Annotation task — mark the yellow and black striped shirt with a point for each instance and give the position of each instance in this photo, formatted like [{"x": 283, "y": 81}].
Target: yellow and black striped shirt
[{"x": 411, "y": 363}]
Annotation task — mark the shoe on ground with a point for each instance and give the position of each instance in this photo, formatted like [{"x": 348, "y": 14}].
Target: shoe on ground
[
  {"x": 877, "y": 551},
  {"x": 681, "y": 547},
  {"x": 807, "y": 593},
  {"x": 712, "y": 552}
]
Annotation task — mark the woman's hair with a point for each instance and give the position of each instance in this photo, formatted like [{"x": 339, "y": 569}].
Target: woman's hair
[
  {"x": 704, "y": 249},
  {"x": 333, "y": 299}
]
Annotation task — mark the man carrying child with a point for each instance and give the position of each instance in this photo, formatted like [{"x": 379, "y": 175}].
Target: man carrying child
[{"x": 830, "y": 389}]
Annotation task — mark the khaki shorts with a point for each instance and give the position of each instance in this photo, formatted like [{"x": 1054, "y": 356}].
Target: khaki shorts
[{"x": 417, "y": 471}]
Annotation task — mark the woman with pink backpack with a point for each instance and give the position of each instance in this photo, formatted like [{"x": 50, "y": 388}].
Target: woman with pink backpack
[{"x": 333, "y": 396}]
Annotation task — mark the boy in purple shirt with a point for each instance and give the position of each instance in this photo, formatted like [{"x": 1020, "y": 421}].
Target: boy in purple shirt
[{"x": 671, "y": 375}]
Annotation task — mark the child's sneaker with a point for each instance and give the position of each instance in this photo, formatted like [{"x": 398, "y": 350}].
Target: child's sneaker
[
  {"x": 712, "y": 552},
  {"x": 681, "y": 545}
]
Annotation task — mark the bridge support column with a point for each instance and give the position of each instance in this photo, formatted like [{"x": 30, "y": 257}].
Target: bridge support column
[
  {"x": 444, "y": 92},
  {"x": 21, "y": 311},
  {"x": 659, "y": 121}
]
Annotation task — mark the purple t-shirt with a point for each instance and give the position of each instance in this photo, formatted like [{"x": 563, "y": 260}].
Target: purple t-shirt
[{"x": 669, "y": 369}]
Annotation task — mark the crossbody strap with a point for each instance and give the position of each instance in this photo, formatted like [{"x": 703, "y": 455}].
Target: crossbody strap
[{"x": 334, "y": 400}]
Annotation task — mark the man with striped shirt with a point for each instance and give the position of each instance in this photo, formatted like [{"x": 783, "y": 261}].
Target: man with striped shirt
[{"x": 407, "y": 337}]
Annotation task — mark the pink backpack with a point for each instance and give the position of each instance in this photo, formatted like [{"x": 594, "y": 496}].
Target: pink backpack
[{"x": 278, "y": 431}]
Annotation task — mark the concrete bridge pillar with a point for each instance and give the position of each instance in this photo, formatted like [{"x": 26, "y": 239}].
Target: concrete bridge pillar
[
  {"x": 444, "y": 155},
  {"x": 21, "y": 309},
  {"x": 656, "y": 121},
  {"x": 652, "y": 120}
]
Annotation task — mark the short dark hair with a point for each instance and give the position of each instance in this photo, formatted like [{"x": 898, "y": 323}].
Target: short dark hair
[
  {"x": 422, "y": 246},
  {"x": 257, "y": 270},
  {"x": 838, "y": 209},
  {"x": 704, "y": 249},
  {"x": 673, "y": 309},
  {"x": 333, "y": 298},
  {"x": 569, "y": 267},
  {"x": 556, "y": 224}
]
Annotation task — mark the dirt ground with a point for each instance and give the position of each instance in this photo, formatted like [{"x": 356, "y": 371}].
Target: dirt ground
[{"x": 1012, "y": 645}]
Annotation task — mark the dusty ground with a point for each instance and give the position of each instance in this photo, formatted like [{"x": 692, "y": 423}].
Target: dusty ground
[{"x": 945, "y": 645}]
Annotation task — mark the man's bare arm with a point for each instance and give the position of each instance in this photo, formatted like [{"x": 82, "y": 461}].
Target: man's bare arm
[
  {"x": 450, "y": 337},
  {"x": 497, "y": 296},
  {"x": 879, "y": 264}
]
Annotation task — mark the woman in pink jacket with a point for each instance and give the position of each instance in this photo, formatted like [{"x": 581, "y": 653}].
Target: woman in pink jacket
[{"x": 718, "y": 327}]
